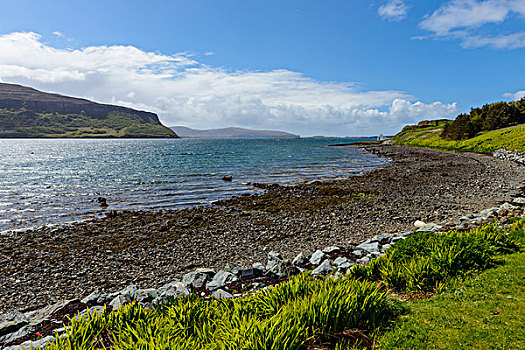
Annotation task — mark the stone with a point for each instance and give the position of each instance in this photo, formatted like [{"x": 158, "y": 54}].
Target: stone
[
  {"x": 343, "y": 263},
  {"x": 42, "y": 342},
  {"x": 38, "y": 316},
  {"x": 221, "y": 294},
  {"x": 419, "y": 224},
  {"x": 195, "y": 279},
  {"x": 300, "y": 259},
  {"x": 221, "y": 279},
  {"x": 11, "y": 337},
  {"x": 227, "y": 178},
  {"x": 363, "y": 261},
  {"x": 324, "y": 269},
  {"x": 507, "y": 206},
  {"x": 120, "y": 300},
  {"x": 12, "y": 321},
  {"x": 175, "y": 289},
  {"x": 145, "y": 295},
  {"x": 95, "y": 298},
  {"x": 519, "y": 201},
  {"x": 383, "y": 238},
  {"x": 318, "y": 257},
  {"x": 274, "y": 259},
  {"x": 331, "y": 249},
  {"x": 259, "y": 268},
  {"x": 369, "y": 247},
  {"x": 360, "y": 252},
  {"x": 385, "y": 247}
]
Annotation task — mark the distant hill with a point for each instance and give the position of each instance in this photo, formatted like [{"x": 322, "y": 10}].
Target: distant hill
[
  {"x": 26, "y": 112},
  {"x": 183, "y": 131}
]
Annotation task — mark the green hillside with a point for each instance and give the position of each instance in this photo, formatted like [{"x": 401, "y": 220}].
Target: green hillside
[
  {"x": 486, "y": 129},
  {"x": 511, "y": 138},
  {"x": 26, "y": 112}
]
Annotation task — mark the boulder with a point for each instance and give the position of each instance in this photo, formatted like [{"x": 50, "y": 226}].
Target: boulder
[
  {"x": 324, "y": 269},
  {"x": 519, "y": 201},
  {"x": 145, "y": 295},
  {"x": 318, "y": 257},
  {"x": 12, "y": 321},
  {"x": 301, "y": 259},
  {"x": 369, "y": 247},
  {"x": 40, "y": 343},
  {"x": 259, "y": 268},
  {"x": 195, "y": 279},
  {"x": 419, "y": 224},
  {"x": 382, "y": 238},
  {"x": 507, "y": 206},
  {"x": 120, "y": 300},
  {"x": 331, "y": 249},
  {"x": 221, "y": 279},
  {"x": 175, "y": 289},
  {"x": 11, "y": 337},
  {"x": 274, "y": 259},
  {"x": 343, "y": 263},
  {"x": 38, "y": 316}
]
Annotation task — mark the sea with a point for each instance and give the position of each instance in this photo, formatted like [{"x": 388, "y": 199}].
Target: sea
[{"x": 57, "y": 181}]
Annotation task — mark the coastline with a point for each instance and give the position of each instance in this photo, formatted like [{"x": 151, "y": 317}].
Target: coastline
[{"x": 152, "y": 248}]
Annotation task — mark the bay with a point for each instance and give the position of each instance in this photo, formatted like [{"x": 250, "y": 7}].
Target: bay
[{"x": 52, "y": 181}]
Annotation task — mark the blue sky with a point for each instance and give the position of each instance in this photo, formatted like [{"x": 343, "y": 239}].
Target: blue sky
[{"x": 311, "y": 67}]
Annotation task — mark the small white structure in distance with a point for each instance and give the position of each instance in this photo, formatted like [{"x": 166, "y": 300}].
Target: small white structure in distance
[{"x": 381, "y": 137}]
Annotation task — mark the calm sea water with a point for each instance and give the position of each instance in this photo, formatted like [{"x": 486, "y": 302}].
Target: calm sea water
[{"x": 44, "y": 181}]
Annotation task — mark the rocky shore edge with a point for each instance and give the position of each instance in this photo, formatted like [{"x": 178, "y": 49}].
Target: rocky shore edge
[{"x": 37, "y": 328}]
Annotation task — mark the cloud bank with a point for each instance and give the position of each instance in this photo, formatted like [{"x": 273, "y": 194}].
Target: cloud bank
[
  {"x": 464, "y": 19},
  {"x": 184, "y": 91}
]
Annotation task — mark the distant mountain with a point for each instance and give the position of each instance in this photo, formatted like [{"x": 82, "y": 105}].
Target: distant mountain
[
  {"x": 183, "y": 131},
  {"x": 26, "y": 112}
]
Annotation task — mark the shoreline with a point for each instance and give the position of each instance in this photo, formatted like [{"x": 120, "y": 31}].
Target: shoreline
[{"x": 150, "y": 249}]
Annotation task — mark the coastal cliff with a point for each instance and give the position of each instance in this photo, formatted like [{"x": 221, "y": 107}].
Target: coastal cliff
[{"x": 27, "y": 112}]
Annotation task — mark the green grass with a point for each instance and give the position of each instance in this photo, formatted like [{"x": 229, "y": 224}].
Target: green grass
[
  {"x": 512, "y": 138},
  {"x": 477, "y": 314},
  {"x": 306, "y": 311}
]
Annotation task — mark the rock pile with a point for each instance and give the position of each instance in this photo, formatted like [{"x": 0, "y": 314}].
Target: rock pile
[
  {"x": 36, "y": 328},
  {"x": 508, "y": 155}
]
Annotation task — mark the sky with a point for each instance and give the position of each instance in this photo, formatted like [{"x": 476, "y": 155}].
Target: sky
[{"x": 310, "y": 67}]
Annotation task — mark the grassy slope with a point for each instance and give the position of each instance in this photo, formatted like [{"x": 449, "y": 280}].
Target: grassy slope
[
  {"x": 23, "y": 123},
  {"x": 467, "y": 317},
  {"x": 512, "y": 138}
]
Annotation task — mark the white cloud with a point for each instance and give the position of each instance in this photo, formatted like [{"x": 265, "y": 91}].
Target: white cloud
[
  {"x": 58, "y": 34},
  {"x": 461, "y": 19},
  {"x": 515, "y": 95},
  {"x": 393, "y": 10},
  {"x": 185, "y": 92}
]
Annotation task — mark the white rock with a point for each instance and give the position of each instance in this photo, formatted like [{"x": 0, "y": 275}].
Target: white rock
[{"x": 419, "y": 224}]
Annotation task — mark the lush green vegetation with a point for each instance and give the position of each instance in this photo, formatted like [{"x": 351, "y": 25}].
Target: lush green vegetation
[
  {"x": 486, "y": 129},
  {"x": 305, "y": 312},
  {"x": 511, "y": 138},
  {"x": 25, "y": 123},
  {"x": 489, "y": 117}
]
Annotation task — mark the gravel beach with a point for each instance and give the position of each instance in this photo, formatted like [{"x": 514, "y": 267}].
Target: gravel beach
[{"x": 151, "y": 248}]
